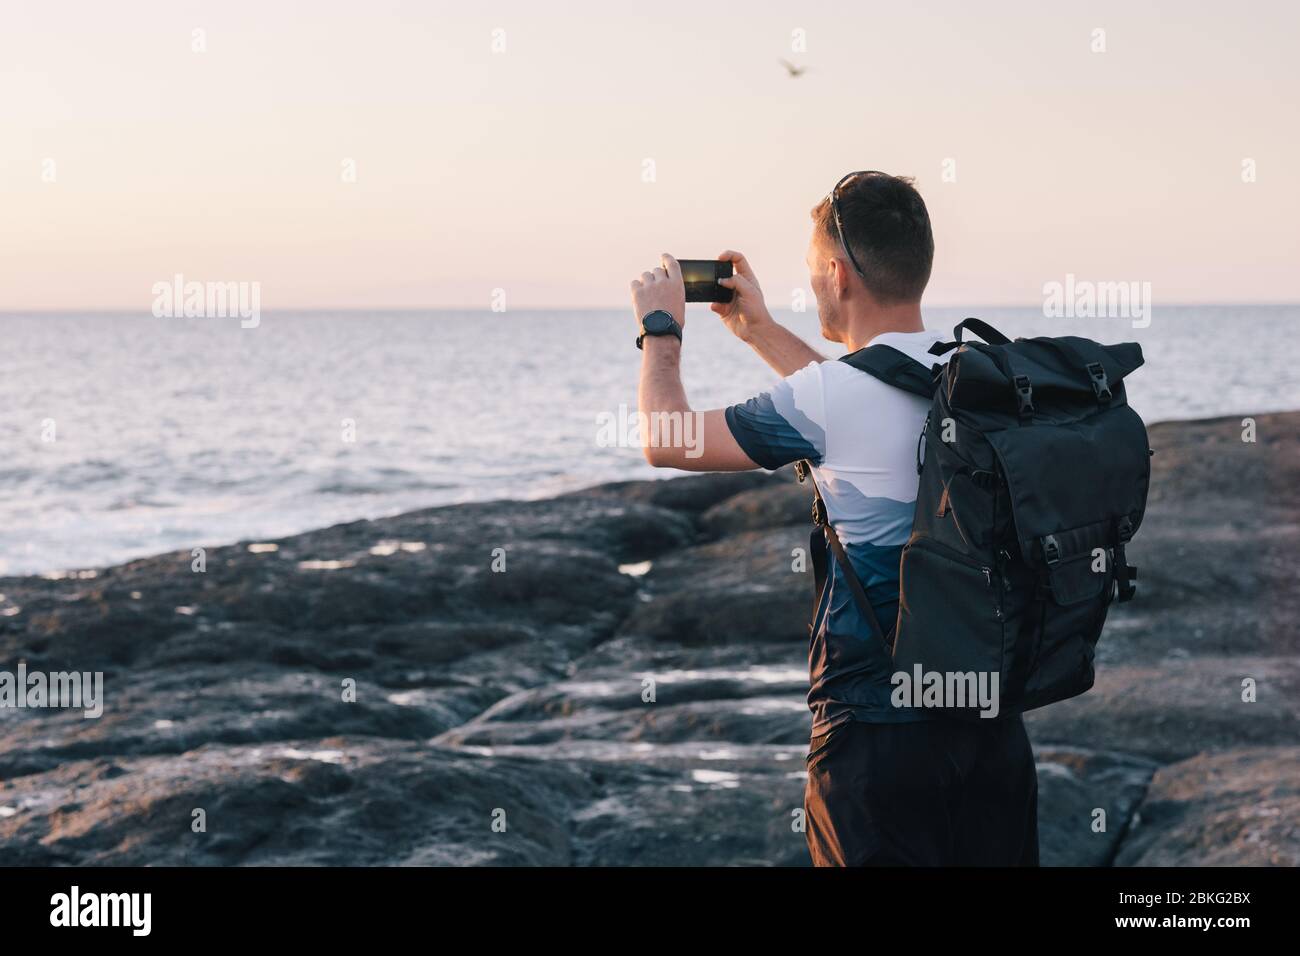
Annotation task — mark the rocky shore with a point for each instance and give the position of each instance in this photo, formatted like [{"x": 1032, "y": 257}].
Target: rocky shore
[{"x": 617, "y": 676}]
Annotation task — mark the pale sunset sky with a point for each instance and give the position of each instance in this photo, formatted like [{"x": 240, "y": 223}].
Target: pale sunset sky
[{"x": 126, "y": 156}]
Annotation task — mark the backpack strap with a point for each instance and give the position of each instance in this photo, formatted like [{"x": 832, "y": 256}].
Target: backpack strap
[
  {"x": 981, "y": 328},
  {"x": 822, "y": 535},
  {"x": 1125, "y": 573},
  {"x": 900, "y": 370},
  {"x": 893, "y": 368}
]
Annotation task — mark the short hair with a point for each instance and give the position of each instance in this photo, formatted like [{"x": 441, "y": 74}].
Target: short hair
[{"x": 888, "y": 229}]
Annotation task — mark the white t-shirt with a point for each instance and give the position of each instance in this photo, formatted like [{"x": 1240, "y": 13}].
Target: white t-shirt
[{"x": 861, "y": 437}]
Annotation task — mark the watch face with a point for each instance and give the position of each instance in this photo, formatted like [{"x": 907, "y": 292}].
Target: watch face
[{"x": 657, "y": 322}]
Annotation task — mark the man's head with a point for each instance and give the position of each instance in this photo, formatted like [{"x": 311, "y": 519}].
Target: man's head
[{"x": 887, "y": 230}]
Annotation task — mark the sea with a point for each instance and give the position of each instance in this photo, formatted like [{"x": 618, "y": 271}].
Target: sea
[{"x": 124, "y": 435}]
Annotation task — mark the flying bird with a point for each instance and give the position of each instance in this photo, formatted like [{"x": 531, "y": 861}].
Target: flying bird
[{"x": 794, "y": 71}]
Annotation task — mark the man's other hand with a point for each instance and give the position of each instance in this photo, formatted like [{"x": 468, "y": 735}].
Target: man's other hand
[
  {"x": 746, "y": 312},
  {"x": 660, "y": 288}
]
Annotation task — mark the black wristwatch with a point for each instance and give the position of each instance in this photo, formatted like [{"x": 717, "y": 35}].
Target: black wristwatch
[{"x": 658, "y": 322}]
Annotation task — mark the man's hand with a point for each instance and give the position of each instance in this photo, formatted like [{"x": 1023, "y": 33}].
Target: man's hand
[
  {"x": 746, "y": 313},
  {"x": 747, "y": 316},
  {"x": 660, "y": 288}
]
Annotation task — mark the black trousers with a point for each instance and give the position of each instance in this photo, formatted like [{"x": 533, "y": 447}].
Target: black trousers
[{"x": 934, "y": 793}]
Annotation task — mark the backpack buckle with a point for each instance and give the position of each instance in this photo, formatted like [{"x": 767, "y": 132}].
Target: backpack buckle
[
  {"x": 819, "y": 512},
  {"x": 1125, "y": 575},
  {"x": 1100, "y": 384},
  {"x": 1124, "y": 530},
  {"x": 1051, "y": 550},
  {"x": 1024, "y": 396}
]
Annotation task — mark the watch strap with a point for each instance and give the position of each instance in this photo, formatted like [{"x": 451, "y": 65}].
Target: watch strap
[{"x": 673, "y": 328}]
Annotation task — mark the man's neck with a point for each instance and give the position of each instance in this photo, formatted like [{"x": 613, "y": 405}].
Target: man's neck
[{"x": 869, "y": 320}]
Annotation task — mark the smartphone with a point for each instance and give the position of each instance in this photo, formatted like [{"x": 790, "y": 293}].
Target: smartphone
[{"x": 701, "y": 278}]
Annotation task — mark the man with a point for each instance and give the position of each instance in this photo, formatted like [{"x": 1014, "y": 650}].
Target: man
[{"x": 886, "y": 784}]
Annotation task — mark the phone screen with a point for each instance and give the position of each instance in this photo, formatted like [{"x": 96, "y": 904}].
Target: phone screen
[{"x": 701, "y": 279}]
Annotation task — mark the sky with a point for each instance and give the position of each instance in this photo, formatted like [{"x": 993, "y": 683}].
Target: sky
[{"x": 552, "y": 151}]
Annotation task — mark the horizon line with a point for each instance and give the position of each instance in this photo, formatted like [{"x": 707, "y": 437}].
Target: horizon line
[{"x": 114, "y": 310}]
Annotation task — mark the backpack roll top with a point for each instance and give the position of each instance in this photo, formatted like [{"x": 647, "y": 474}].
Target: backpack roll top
[{"x": 1035, "y": 379}]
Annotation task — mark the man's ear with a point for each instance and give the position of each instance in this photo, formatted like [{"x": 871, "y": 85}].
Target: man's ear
[{"x": 839, "y": 278}]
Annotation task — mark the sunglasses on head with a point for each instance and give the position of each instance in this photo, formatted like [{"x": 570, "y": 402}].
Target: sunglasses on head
[{"x": 834, "y": 197}]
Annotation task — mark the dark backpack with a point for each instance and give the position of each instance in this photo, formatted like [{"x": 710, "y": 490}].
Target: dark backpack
[{"x": 1033, "y": 477}]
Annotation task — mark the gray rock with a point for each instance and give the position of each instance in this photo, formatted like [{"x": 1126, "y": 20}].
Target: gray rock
[
  {"x": 336, "y": 801},
  {"x": 522, "y": 691},
  {"x": 562, "y": 561},
  {"x": 1239, "y": 807},
  {"x": 1175, "y": 709},
  {"x": 742, "y": 589},
  {"x": 172, "y": 712},
  {"x": 1086, "y": 799},
  {"x": 788, "y": 503},
  {"x": 689, "y": 493}
]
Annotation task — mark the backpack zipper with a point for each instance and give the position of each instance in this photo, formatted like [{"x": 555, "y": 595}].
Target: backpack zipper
[{"x": 955, "y": 556}]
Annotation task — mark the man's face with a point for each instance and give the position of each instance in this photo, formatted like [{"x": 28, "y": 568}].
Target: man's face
[{"x": 821, "y": 275}]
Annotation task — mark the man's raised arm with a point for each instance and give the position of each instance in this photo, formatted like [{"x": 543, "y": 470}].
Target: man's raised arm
[
  {"x": 672, "y": 434},
  {"x": 746, "y": 315}
]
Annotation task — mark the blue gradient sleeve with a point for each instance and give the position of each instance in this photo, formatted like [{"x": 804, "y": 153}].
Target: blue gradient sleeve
[{"x": 783, "y": 425}]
